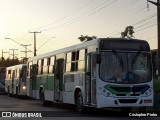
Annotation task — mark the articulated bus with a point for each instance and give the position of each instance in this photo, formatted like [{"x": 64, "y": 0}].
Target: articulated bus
[
  {"x": 16, "y": 80},
  {"x": 100, "y": 73}
]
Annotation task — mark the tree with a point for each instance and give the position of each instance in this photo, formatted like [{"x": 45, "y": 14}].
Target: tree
[
  {"x": 128, "y": 32},
  {"x": 9, "y": 62},
  {"x": 86, "y": 38}
]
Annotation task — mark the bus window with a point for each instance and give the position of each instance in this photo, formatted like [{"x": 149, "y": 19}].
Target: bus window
[
  {"x": 29, "y": 65},
  {"x": 81, "y": 65},
  {"x": 23, "y": 74},
  {"x": 68, "y": 62},
  {"x": 17, "y": 73},
  {"x": 42, "y": 63},
  {"x": 68, "y": 67},
  {"x": 82, "y": 54},
  {"x": 81, "y": 62},
  {"x": 45, "y": 66},
  {"x": 51, "y": 64},
  {"x": 9, "y": 74},
  {"x": 39, "y": 67}
]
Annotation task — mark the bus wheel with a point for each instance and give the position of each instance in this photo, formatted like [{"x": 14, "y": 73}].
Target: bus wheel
[
  {"x": 79, "y": 102},
  {"x": 42, "y": 98},
  {"x": 17, "y": 92},
  {"x": 9, "y": 94}
]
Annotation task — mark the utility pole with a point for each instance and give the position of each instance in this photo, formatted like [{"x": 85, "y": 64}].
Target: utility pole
[
  {"x": 13, "y": 53},
  {"x": 3, "y": 53},
  {"x": 35, "y": 41},
  {"x": 26, "y": 49},
  {"x": 158, "y": 31}
]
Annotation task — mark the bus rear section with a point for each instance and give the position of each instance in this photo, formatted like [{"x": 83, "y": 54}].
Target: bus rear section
[{"x": 15, "y": 82}]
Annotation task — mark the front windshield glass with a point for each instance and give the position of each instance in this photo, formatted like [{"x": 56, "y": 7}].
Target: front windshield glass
[{"x": 125, "y": 67}]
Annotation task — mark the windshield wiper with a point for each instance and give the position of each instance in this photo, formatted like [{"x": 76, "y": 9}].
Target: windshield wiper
[
  {"x": 136, "y": 57},
  {"x": 119, "y": 58}
]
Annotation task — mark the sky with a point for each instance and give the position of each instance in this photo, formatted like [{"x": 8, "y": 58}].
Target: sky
[{"x": 61, "y": 22}]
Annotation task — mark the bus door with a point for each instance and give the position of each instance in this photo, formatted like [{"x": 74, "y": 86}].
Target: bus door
[
  {"x": 13, "y": 84},
  {"x": 93, "y": 77},
  {"x": 58, "y": 80},
  {"x": 33, "y": 72},
  {"x": 90, "y": 83}
]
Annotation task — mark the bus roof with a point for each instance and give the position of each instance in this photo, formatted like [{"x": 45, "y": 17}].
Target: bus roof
[
  {"x": 124, "y": 44},
  {"x": 16, "y": 66},
  {"x": 83, "y": 45},
  {"x": 66, "y": 49}
]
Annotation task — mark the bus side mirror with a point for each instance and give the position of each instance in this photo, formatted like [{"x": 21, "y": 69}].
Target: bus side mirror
[{"x": 98, "y": 58}]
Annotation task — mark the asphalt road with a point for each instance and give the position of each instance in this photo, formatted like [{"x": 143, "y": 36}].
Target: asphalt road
[{"x": 31, "y": 109}]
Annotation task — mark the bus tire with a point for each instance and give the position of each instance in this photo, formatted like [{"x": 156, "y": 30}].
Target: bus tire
[
  {"x": 79, "y": 102},
  {"x": 17, "y": 93},
  {"x": 8, "y": 90},
  {"x": 42, "y": 97}
]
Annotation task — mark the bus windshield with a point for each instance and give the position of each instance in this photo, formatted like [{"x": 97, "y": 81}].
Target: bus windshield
[{"x": 125, "y": 67}]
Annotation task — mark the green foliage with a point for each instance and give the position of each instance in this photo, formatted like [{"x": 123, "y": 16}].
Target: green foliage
[
  {"x": 156, "y": 86},
  {"x": 86, "y": 38},
  {"x": 128, "y": 32},
  {"x": 8, "y": 62}
]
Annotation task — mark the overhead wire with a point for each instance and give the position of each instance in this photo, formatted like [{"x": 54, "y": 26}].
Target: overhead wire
[
  {"x": 66, "y": 15},
  {"x": 95, "y": 12},
  {"x": 80, "y": 17},
  {"x": 113, "y": 1},
  {"x": 88, "y": 15}
]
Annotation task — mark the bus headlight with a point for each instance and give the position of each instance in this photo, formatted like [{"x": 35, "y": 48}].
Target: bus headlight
[
  {"x": 105, "y": 92},
  {"x": 147, "y": 93},
  {"x": 24, "y": 87},
  {"x": 108, "y": 94}
]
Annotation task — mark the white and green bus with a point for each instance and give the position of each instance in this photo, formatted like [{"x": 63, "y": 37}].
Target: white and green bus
[
  {"x": 16, "y": 80},
  {"x": 100, "y": 73}
]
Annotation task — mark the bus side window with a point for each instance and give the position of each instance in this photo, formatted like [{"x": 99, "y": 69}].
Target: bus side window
[{"x": 51, "y": 64}]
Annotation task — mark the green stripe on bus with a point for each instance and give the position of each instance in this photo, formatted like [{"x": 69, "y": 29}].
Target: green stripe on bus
[{"x": 110, "y": 88}]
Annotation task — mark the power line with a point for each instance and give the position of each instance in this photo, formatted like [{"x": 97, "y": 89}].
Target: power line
[
  {"x": 66, "y": 15},
  {"x": 45, "y": 42},
  {"x": 141, "y": 21},
  {"x": 16, "y": 42},
  {"x": 26, "y": 49},
  {"x": 123, "y": 7},
  {"x": 80, "y": 17},
  {"x": 62, "y": 25},
  {"x": 147, "y": 23},
  {"x": 3, "y": 53},
  {"x": 146, "y": 27},
  {"x": 13, "y": 54}
]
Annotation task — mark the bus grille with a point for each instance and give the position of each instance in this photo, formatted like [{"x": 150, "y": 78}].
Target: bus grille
[
  {"x": 127, "y": 100},
  {"x": 135, "y": 90},
  {"x": 127, "y": 95}
]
